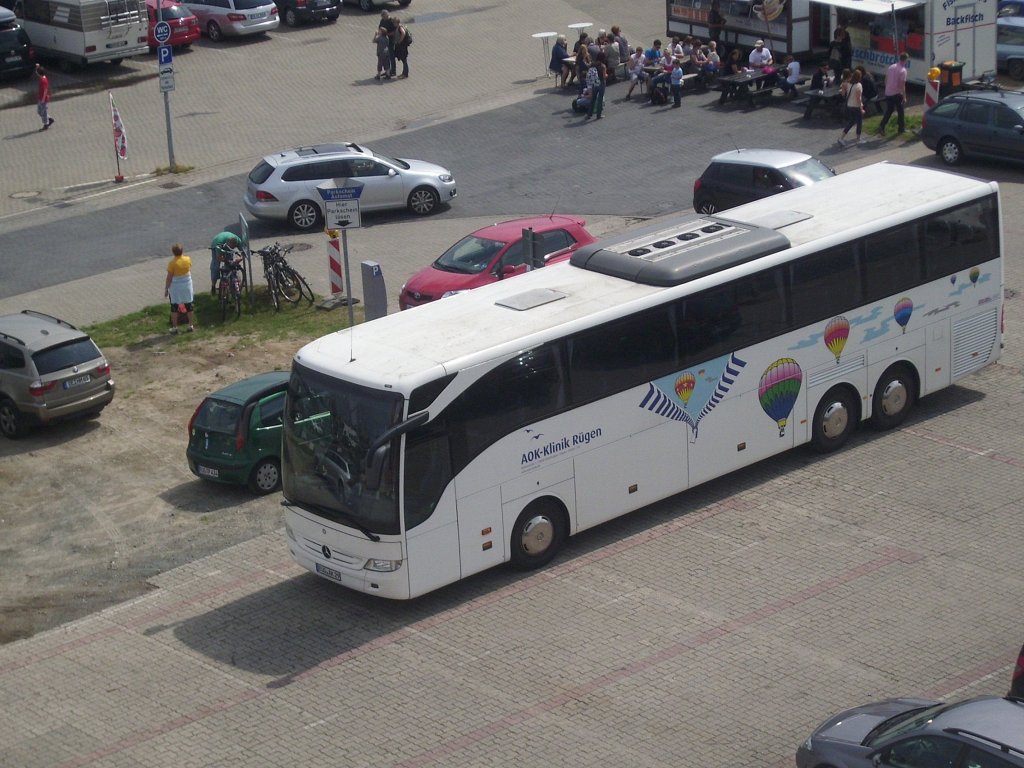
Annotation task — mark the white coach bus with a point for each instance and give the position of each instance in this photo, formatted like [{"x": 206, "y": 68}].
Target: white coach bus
[
  {"x": 85, "y": 31},
  {"x": 488, "y": 427}
]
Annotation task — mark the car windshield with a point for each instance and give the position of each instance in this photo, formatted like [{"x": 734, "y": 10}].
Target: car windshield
[
  {"x": 67, "y": 355},
  {"x": 261, "y": 172},
  {"x": 393, "y": 160},
  {"x": 470, "y": 255},
  {"x": 902, "y": 723},
  {"x": 808, "y": 172},
  {"x": 218, "y": 416},
  {"x": 329, "y": 427},
  {"x": 175, "y": 12}
]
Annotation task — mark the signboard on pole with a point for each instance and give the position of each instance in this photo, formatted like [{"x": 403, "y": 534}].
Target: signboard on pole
[{"x": 341, "y": 205}]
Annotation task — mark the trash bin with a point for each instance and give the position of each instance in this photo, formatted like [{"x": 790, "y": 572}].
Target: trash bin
[{"x": 951, "y": 76}]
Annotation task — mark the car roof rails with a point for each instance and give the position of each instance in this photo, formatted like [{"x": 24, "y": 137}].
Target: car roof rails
[{"x": 986, "y": 739}]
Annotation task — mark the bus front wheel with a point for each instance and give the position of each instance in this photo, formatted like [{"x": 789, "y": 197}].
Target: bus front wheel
[
  {"x": 835, "y": 418},
  {"x": 537, "y": 535},
  {"x": 894, "y": 396}
]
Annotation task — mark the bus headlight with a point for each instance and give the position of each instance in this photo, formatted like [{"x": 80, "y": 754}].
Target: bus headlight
[
  {"x": 385, "y": 566},
  {"x": 290, "y": 532}
]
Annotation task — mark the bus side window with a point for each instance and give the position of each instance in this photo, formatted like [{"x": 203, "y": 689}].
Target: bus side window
[
  {"x": 891, "y": 261},
  {"x": 830, "y": 274},
  {"x": 428, "y": 470}
]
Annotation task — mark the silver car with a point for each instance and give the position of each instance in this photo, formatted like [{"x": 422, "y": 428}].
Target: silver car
[
  {"x": 49, "y": 370},
  {"x": 233, "y": 18},
  {"x": 283, "y": 186}
]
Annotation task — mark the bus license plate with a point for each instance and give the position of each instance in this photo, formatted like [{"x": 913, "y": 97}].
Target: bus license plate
[
  {"x": 76, "y": 382},
  {"x": 330, "y": 573},
  {"x": 208, "y": 471}
]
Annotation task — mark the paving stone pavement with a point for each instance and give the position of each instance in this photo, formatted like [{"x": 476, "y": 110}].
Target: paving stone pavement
[{"x": 716, "y": 628}]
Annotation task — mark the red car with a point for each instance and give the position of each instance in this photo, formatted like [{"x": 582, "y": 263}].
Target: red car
[
  {"x": 493, "y": 253},
  {"x": 184, "y": 24}
]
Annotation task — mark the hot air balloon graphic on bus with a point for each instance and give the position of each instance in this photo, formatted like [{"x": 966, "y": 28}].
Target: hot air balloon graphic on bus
[
  {"x": 836, "y": 333},
  {"x": 975, "y": 274},
  {"x": 901, "y": 312},
  {"x": 778, "y": 389},
  {"x": 684, "y": 387}
]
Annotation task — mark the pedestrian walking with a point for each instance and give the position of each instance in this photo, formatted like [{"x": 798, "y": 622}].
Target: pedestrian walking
[
  {"x": 853, "y": 91},
  {"x": 43, "y": 98},
  {"x": 595, "y": 81},
  {"x": 178, "y": 288},
  {"x": 895, "y": 93}
]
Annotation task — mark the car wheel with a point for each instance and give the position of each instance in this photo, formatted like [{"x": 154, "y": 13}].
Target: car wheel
[
  {"x": 706, "y": 205},
  {"x": 950, "y": 152},
  {"x": 894, "y": 396},
  {"x": 537, "y": 535},
  {"x": 304, "y": 215},
  {"x": 290, "y": 18},
  {"x": 12, "y": 422},
  {"x": 265, "y": 477},
  {"x": 213, "y": 31},
  {"x": 404, "y": 3},
  {"x": 423, "y": 200},
  {"x": 365, "y": 5},
  {"x": 835, "y": 418},
  {"x": 1015, "y": 69}
]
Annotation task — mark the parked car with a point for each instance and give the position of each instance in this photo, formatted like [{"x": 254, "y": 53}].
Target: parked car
[
  {"x": 492, "y": 253},
  {"x": 1010, "y": 46},
  {"x": 234, "y": 436},
  {"x": 283, "y": 186},
  {"x": 1010, "y": 8},
  {"x": 49, "y": 371},
  {"x": 183, "y": 23},
  {"x": 985, "y": 124},
  {"x": 233, "y": 18},
  {"x": 369, "y": 5},
  {"x": 984, "y": 732},
  {"x": 1017, "y": 680},
  {"x": 744, "y": 175},
  {"x": 17, "y": 58},
  {"x": 293, "y": 12}
]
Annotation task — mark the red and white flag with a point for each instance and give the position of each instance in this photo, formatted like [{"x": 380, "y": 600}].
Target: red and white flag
[{"x": 120, "y": 137}]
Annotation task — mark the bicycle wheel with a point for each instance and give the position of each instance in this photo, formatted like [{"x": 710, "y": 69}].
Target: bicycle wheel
[
  {"x": 272, "y": 289},
  {"x": 304, "y": 287},
  {"x": 288, "y": 284},
  {"x": 236, "y": 295},
  {"x": 223, "y": 299}
]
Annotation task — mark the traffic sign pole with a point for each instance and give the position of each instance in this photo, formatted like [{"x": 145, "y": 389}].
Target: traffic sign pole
[{"x": 162, "y": 33}]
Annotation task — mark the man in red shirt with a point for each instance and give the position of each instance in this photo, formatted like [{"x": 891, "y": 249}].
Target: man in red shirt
[{"x": 43, "y": 98}]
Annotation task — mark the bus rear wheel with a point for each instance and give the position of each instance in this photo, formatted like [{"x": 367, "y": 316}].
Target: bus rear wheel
[
  {"x": 835, "y": 418},
  {"x": 894, "y": 396},
  {"x": 538, "y": 534}
]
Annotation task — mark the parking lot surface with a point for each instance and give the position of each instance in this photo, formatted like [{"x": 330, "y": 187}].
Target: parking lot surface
[{"x": 716, "y": 628}]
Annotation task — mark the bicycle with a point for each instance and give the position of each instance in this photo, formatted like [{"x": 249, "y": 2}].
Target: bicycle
[
  {"x": 283, "y": 281},
  {"x": 232, "y": 275}
]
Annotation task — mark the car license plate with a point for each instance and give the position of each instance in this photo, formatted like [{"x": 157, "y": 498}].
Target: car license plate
[
  {"x": 330, "y": 573},
  {"x": 76, "y": 382},
  {"x": 208, "y": 471},
  {"x": 257, "y": 15},
  {"x": 12, "y": 59}
]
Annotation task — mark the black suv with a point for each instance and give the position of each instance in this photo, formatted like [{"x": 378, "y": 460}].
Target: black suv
[
  {"x": 294, "y": 11},
  {"x": 745, "y": 175},
  {"x": 49, "y": 370},
  {"x": 16, "y": 54}
]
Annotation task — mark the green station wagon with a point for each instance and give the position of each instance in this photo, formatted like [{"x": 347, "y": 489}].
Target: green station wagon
[{"x": 234, "y": 435}]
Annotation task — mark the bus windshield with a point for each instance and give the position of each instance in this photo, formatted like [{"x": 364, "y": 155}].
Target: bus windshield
[{"x": 329, "y": 426}]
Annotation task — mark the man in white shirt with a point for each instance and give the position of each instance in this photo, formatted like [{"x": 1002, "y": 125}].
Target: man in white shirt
[{"x": 788, "y": 84}]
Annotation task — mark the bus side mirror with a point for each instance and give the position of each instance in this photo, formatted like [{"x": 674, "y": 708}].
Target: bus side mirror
[{"x": 375, "y": 467}]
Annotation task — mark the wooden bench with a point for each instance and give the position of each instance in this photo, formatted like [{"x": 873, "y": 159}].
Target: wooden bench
[{"x": 761, "y": 96}]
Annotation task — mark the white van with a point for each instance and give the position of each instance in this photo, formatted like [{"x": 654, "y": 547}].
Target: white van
[{"x": 85, "y": 31}]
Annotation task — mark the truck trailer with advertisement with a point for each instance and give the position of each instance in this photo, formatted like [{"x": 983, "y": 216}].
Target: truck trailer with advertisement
[{"x": 931, "y": 32}]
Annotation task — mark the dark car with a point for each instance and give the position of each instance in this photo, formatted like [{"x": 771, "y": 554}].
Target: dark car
[
  {"x": 1010, "y": 46},
  {"x": 295, "y": 11},
  {"x": 234, "y": 435},
  {"x": 17, "y": 59},
  {"x": 1017, "y": 681},
  {"x": 984, "y": 732},
  {"x": 744, "y": 175},
  {"x": 984, "y": 124}
]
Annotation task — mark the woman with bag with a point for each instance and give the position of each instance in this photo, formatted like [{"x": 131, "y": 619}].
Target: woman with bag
[
  {"x": 402, "y": 42},
  {"x": 854, "y": 93}
]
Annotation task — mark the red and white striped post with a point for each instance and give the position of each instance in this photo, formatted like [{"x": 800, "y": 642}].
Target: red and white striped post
[
  {"x": 335, "y": 275},
  {"x": 931, "y": 88}
]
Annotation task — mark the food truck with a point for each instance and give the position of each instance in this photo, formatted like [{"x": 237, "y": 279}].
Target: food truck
[{"x": 960, "y": 34}]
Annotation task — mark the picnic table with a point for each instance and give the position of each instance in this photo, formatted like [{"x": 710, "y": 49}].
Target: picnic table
[
  {"x": 743, "y": 85},
  {"x": 830, "y": 98}
]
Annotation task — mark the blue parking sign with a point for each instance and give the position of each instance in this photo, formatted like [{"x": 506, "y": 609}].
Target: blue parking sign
[{"x": 163, "y": 55}]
